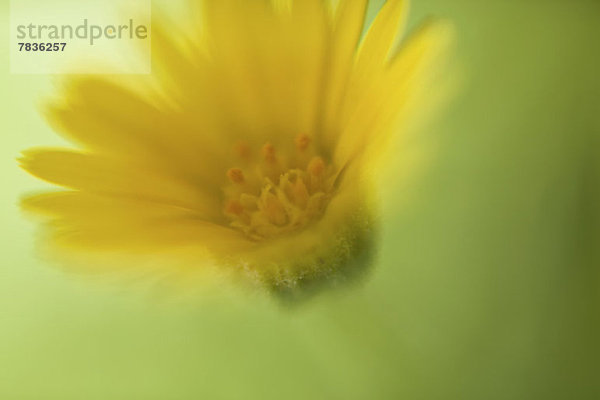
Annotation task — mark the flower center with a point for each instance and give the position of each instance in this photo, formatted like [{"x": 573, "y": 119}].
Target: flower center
[{"x": 277, "y": 193}]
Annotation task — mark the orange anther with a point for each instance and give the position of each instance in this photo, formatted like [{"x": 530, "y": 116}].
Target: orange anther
[
  {"x": 302, "y": 142},
  {"x": 316, "y": 167},
  {"x": 234, "y": 207},
  {"x": 235, "y": 175},
  {"x": 268, "y": 152}
]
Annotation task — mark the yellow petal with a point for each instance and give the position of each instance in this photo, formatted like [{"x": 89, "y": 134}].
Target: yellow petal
[
  {"x": 107, "y": 176},
  {"x": 381, "y": 36},
  {"x": 270, "y": 64},
  {"x": 107, "y": 118},
  {"x": 396, "y": 93},
  {"x": 98, "y": 222},
  {"x": 176, "y": 61},
  {"x": 348, "y": 26},
  {"x": 372, "y": 57}
]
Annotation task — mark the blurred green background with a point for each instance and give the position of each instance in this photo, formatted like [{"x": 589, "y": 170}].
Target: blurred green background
[{"x": 486, "y": 287}]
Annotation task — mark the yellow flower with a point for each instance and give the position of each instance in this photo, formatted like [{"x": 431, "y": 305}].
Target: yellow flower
[{"x": 252, "y": 146}]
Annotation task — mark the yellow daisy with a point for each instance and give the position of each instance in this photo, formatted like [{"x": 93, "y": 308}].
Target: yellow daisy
[{"x": 252, "y": 146}]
